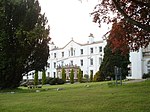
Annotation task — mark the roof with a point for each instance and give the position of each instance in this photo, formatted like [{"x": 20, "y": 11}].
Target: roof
[{"x": 96, "y": 42}]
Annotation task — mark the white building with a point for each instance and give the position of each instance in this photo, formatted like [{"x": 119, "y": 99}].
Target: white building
[
  {"x": 87, "y": 57},
  {"x": 140, "y": 63}
]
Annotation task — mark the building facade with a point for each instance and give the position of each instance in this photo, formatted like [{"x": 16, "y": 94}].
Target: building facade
[
  {"x": 87, "y": 57},
  {"x": 140, "y": 63}
]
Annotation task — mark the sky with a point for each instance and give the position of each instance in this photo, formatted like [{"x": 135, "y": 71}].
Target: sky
[{"x": 71, "y": 19}]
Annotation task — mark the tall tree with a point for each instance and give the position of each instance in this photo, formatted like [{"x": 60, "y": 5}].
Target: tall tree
[
  {"x": 134, "y": 15},
  {"x": 43, "y": 77},
  {"x": 23, "y": 40},
  {"x": 63, "y": 75},
  {"x": 36, "y": 80},
  {"x": 112, "y": 59},
  {"x": 72, "y": 76}
]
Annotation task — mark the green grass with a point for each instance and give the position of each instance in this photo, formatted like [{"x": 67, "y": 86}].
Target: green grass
[{"x": 98, "y": 97}]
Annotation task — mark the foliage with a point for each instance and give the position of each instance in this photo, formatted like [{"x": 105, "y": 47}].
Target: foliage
[
  {"x": 112, "y": 59},
  {"x": 43, "y": 77},
  {"x": 99, "y": 77},
  {"x": 91, "y": 77},
  {"x": 86, "y": 76},
  {"x": 146, "y": 75},
  {"x": 132, "y": 15},
  {"x": 36, "y": 78},
  {"x": 72, "y": 76},
  {"x": 80, "y": 75},
  {"x": 23, "y": 40},
  {"x": 63, "y": 75},
  {"x": 56, "y": 81}
]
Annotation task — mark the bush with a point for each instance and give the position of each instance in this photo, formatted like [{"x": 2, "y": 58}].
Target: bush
[
  {"x": 146, "y": 75},
  {"x": 63, "y": 75},
  {"x": 72, "y": 77},
  {"x": 98, "y": 77},
  {"x": 48, "y": 79},
  {"x": 86, "y": 77},
  {"x": 91, "y": 77},
  {"x": 56, "y": 81},
  {"x": 43, "y": 77},
  {"x": 80, "y": 76}
]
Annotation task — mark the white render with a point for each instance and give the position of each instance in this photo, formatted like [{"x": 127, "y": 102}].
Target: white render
[
  {"x": 73, "y": 56},
  {"x": 140, "y": 61}
]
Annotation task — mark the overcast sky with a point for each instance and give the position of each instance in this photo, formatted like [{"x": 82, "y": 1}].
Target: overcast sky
[{"x": 71, "y": 19}]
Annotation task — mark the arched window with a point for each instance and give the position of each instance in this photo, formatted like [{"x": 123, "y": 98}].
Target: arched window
[{"x": 71, "y": 51}]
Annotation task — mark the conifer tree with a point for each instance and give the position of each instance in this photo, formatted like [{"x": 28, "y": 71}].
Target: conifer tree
[
  {"x": 72, "y": 76},
  {"x": 43, "y": 77},
  {"x": 80, "y": 75},
  {"x": 63, "y": 75}
]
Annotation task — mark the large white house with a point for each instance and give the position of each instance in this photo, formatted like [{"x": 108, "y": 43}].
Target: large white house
[{"x": 88, "y": 57}]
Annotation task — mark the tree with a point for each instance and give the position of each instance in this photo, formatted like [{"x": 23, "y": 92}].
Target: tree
[
  {"x": 36, "y": 78},
  {"x": 80, "y": 75},
  {"x": 43, "y": 77},
  {"x": 23, "y": 40},
  {"x": 91, "y": 76},
  {"x": 133, "y": 15},
  {"x": 63, "y": 75},
  {"x": 112, "y": 59},
  {"x": 72, "y": 76}
]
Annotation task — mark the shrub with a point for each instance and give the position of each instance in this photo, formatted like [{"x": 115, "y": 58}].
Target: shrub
[
  {"x": 43, "y": 77},
  {"x": 146, "y": 75},
  {"x": 56, "y": 81},
  {"x": 98, "y": 77},
  {"x": 72, "y": 77},
  {"x": 80, "y": 76},
  {"x": 86, "y": 77},
  {"x": 63, "y": 75},
  {"x": 48, "y": 79}
]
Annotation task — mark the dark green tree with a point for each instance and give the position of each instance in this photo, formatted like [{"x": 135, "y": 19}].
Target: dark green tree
[
  {"x": 36, "y": 78},
  {"x": 63, "y": 75},
  {"x": 43, "y": 77},
  {"x": 23, "y": 40},
  {"x": 112, "y": 59},
  {"x": 72, "y": 76},
  {"x": 80, "y": 75}
]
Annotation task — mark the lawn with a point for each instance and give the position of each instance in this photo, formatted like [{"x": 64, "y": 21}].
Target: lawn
[{"x": 85, "y": 97}]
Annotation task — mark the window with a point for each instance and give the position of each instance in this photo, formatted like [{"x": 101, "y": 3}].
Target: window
[
  {"x": 81, "y": 61},
  {"x": 48, "y": 65},
  {"x": 81, "y": 51},
  {"x": 62, "y": 63},
  {"x": 148, "y": 66},
  {"x": 91, "y": 61},
  {"x": 71, "y": 62},
  {"x": 48, "y": 74},
  {"x": 71, "y": 51},
  {"x": 54, "y": 64},
  {"x": 100, "y": 60},
  {"x": 100, "y": 49},
  {"x": 54, "y": 55},
  {"x": 54, "y": 74},
  {"x": 91, "y": 72},
  {"x": 62, "y": 54},
  {"x": 91, "y": 50}
]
